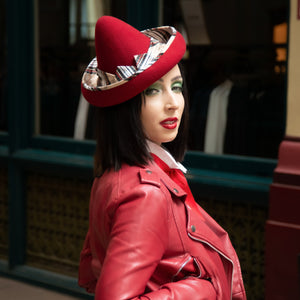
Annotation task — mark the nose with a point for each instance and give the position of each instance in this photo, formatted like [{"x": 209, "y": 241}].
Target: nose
[{"x": 172, "y": 100}]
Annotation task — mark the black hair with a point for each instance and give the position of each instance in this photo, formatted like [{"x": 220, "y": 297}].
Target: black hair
[{"x": 121, "y": 139}]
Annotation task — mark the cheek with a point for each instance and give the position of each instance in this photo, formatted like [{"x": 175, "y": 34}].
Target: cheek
[
  {"x": 150, "y": 110},
  {"x": 146, "y": 118},
  {"x": 182, "y": 105}
]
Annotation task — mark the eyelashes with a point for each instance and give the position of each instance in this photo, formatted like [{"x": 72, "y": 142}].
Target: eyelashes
[
  {"x": 177, "y": 86},
  {"x": 155, "y": 88},
  {"x": 151, "y": 91}
]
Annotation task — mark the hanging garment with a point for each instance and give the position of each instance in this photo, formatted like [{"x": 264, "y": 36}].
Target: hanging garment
[{"x": 217, "y": 118}]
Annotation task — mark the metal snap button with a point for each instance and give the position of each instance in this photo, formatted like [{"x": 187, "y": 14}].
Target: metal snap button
[
  {"x": 148, "y": 172},
  {"x": 193, "y": 228},
  {"x": 175, "y": 190}
]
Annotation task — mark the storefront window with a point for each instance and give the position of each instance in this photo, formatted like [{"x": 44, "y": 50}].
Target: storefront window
[
  {"x": 65, "y": 46},
  {"x": 235, "y": 68},
  {"x": 3, "y": 69},
  {"x": 236, "y": 72}
]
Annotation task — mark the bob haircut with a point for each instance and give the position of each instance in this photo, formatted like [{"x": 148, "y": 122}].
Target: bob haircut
[{"x": 121, "y": 139}]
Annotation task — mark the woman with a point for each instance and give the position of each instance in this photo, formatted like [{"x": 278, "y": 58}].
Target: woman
[{"x": 147, "y": 237}]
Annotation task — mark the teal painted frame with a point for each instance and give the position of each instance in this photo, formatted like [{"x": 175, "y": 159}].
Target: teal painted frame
[
  {"x": 20, "y": 86},
  {"x": 222, "y": 177}
]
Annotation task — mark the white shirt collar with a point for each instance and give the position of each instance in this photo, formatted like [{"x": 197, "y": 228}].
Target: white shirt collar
[{"x": 165, "y": 156}]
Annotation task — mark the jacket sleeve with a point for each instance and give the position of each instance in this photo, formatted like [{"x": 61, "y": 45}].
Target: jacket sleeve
[
  {"x": 86, "y": 277},
  {"x": 137, "y": 242}
]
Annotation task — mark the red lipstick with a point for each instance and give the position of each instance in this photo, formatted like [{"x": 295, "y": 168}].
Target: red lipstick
[{"x": 169, "y": 123}]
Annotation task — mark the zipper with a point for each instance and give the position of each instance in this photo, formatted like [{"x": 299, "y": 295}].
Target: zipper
[{"x": 221, "y": 253}]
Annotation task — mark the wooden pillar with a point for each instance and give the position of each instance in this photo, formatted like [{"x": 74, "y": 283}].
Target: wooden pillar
[{"x": 283, "y": 226}]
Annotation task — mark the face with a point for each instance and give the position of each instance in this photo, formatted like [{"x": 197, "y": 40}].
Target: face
[{"x": 162, "y": 108}]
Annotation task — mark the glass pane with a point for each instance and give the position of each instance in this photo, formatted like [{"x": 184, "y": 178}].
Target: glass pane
[
  {"x": 236, "y": 70},
  {"x": 235, "y": 67},
  {"x": 65, "y": 46},
  {"x": 3, "y": 68}
]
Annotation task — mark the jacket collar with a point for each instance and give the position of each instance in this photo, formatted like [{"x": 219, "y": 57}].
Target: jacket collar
[
  {"x": 200, "y": 226},
  {"x": 211, "y": 233}
]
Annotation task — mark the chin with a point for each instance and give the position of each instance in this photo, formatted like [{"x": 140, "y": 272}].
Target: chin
[
  {"x": 169, "y": 140},
  {"x": 163, "y": 139}
]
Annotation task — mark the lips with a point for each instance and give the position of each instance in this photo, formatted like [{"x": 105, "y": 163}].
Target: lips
[{"x": 169, "y": 123}]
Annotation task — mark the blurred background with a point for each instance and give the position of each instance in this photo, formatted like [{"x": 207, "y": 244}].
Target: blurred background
[{"x": 241, "y": 68}]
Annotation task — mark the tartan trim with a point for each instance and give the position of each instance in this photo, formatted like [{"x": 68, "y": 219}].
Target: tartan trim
[{"x": 160, "y": 40}]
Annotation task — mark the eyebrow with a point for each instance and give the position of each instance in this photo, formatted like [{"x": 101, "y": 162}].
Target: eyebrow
[
  {"x": 173, "y": 79},
  {"x": 177, "y": 78}
]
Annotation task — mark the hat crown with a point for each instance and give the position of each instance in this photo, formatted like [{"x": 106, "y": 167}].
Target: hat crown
[{"x": 116, "y": 44}]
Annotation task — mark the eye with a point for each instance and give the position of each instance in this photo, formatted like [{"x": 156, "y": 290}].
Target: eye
[
  {"x": 151, "y": 91},
  {"x": 177, "y": 87}
]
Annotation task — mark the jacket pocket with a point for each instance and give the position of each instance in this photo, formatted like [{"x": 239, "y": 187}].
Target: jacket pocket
[
  {"x": 176, "y": 268},
  {"x": 188, "y": 268}
]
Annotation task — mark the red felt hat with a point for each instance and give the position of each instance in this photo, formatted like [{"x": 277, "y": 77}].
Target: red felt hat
[{"x": 128, "y": 61}]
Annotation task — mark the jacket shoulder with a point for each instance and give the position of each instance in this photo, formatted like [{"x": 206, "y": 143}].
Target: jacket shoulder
[
  {"x": 153, "y": 175},
  {"x": 136, "y": 177},
  {"x": 129, "y": 177},
  {"x": 148, "y": 176}
]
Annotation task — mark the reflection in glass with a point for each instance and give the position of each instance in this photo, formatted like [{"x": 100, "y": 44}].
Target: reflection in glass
[
  {"x": 237, "y": 80},
  {"x": 65, "y": 47},
  {"x": 3, "y": 68}
]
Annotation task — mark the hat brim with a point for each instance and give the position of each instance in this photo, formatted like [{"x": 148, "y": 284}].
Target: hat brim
[{"x": 137, "y": 84}]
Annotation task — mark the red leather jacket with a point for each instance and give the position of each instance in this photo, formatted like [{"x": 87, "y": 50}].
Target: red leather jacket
[{"x": 146, "y": 240}]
